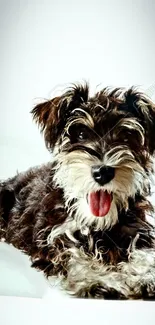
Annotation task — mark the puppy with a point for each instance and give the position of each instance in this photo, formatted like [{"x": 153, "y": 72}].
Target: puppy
[{"x": 83, "y": 217}]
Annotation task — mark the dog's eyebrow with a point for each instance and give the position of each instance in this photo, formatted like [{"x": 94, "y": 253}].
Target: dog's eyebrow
[
  {"x": 86, "y": 114},
  {"x": 87, "y": 149},
  {"x": 78, "y": 109}
]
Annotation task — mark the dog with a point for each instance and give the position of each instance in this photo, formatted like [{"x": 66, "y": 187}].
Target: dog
[{"x": 84, "y": 216}]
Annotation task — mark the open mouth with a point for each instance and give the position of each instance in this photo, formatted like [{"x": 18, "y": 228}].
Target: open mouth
[{"x": 99, "y": 203}]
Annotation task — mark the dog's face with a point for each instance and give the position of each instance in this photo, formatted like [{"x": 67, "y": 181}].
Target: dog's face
[{"x": 102, "y": 149}]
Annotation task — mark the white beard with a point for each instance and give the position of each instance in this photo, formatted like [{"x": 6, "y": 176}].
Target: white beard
[{"x": 73, "y": 174}]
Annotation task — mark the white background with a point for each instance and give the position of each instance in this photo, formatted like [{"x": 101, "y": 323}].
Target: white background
[
  {"x": 44, "y": 46},
  {"x": 47, "y": 44}
]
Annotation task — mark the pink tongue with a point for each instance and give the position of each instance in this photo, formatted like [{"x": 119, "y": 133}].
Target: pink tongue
[{"x": 99, "y": 203}]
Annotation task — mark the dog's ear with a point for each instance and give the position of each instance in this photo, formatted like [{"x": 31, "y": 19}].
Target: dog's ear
[
  {"x": 46, "y": 114},
  {"x": 140, "y": 106},
  {"x": 52, "y": 115}
]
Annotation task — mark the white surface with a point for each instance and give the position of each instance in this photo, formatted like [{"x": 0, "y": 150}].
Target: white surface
[
  {"x": 17, "y": 278},
  {"x": 17, "y": 311},
  {"x": 46, "y": 44}
]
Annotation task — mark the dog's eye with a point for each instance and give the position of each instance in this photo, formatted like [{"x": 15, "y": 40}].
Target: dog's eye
[
  {"x": 131, "y": 138},
  {"x": 81, "y": 135},
  {"x": 78, "y": 133}
]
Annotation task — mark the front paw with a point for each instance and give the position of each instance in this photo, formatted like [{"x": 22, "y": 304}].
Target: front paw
[
  {"x": 148, "y": 292},
  {"x": 97, "y": 291},
  {"x": 100, "y": 292}
]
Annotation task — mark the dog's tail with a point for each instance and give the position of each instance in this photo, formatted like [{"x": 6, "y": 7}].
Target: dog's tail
[{"x": 7, "y": 200}]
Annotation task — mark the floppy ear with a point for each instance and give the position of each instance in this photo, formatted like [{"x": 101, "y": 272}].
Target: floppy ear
[
  {"x": 46, "y": 114},
  {"x": 140, "y": 106},
  {"x": 53, "y": 114}
]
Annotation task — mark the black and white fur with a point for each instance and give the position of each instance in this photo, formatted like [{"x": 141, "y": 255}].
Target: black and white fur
[{"x": 46, "y": 212}]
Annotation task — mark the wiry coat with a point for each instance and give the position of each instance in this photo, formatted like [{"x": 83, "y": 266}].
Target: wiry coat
[{"x": 44, "y": 212}]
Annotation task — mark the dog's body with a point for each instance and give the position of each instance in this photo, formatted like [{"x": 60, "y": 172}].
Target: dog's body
[{"x": 83, "y": 217}]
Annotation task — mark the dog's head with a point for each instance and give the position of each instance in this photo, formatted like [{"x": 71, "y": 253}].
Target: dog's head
[{"x": 102, "y": 148}]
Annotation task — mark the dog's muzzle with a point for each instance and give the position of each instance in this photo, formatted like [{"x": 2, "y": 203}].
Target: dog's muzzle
[{"x": 102, "y": 174}]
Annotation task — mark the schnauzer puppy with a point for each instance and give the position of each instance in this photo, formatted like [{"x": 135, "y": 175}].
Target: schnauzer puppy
[{"x": 83, "y": 217}]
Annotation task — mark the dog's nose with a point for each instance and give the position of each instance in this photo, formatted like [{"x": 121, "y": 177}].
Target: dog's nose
[{"x": 102, "y": 174}]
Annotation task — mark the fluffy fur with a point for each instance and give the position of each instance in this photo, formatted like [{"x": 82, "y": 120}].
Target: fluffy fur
[{"x": 45, "y": 212}]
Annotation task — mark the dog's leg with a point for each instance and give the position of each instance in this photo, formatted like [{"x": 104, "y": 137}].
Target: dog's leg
[
  {"x": 140, "y": 274},
  {"x": 88, "y": 277},
  {"x": 53, "y": 259},
  {"x": 91, "y": 278}
]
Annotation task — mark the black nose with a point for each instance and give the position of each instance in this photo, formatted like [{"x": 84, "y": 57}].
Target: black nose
[{"x": 102, "y": 174}]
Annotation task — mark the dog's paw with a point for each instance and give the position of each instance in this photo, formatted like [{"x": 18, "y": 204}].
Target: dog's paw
[
  {"x": 97, "y": 291},
  {"x": 100, "y": 292},
  {"x": 148, "y": 291}
]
